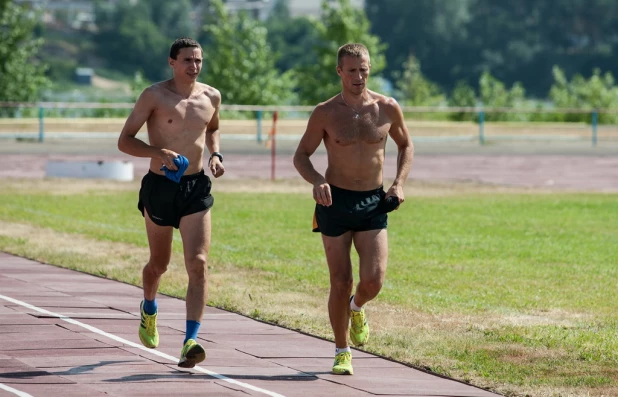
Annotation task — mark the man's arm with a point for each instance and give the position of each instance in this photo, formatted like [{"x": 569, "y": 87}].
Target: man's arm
[
  {"x": 212, "y": 138},
  {"x": 308, "y": 144},
  {"x": 405, "y": 148},
  {"x": 129, "y": 144}
]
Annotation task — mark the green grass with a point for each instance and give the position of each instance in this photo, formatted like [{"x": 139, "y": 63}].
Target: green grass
[{"x": 546, "y": 260}]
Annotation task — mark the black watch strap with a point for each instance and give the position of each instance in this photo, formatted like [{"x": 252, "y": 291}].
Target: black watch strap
[{"x": 213, "y": 154}]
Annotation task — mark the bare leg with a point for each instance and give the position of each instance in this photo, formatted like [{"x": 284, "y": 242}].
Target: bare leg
[
  {"x": 160, "y": 244},
  {"x": 340, "y": 266},
  {"x": 372, "y": 248},
  {"x": 195, "y": 232}
]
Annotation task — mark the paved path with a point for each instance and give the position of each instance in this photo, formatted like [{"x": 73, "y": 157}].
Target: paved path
[
  {"x": 65, "y": 333},
  {"x": 568, "y": 172}
]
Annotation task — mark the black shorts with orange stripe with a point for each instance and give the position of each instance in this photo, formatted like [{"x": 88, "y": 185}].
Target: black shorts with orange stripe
[{"x": 353, "y": 211}]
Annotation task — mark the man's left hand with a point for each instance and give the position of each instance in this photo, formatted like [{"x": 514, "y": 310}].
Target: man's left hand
[
  {"x": 397, "y": 191},
  {"x": 216, "y": 167}
]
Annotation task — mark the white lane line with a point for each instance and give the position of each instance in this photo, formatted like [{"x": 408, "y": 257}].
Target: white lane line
[
  {"x": 137, "y": 346},
  {"x": 14, "y": 391}
]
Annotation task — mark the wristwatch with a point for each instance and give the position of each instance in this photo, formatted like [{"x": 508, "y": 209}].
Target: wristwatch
[{"x": 215, "y": 154}]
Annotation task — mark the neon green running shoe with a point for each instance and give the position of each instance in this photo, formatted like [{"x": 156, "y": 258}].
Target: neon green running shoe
[
  {"x": 148, "y": 333},
  {"x": 359, "y": 329},
  {"x": 192, "y": 353},
  {"x": 343, "y": 364}
]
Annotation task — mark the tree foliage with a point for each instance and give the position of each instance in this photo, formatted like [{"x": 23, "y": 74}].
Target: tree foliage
[
  {"x": 415, "y": 88},
  {"x": 597, "y": 92},
  {"x": 239, "y": 61},
  {"x": 138, "y": 34},
  {"x": 339, "y": 24},
  {"x": 291, "y": 38},
  {"x": 513, "y": 40},
  {"x": 494, "y": 94},
  {"x": 463, "y": 95},
  {"x": 21, "y": 76}
]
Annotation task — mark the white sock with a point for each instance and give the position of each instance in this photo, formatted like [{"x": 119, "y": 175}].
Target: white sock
[
  {"x": 353, "y": 305},
  {"x": 342, "y": 349}
]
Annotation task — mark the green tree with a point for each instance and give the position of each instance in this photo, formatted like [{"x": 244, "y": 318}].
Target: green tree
[
  {"x": 291, "y": 38},
  {"x": 463, "y": 95},
  {"x": 431, "y": 30},
  {"x": 415, "y": 88},
  {"x": 495, "y": 94},
  {"x": 136, "y": 35},
  {"x": 513, "y": 40},
  {"x": 139, "y": 84},
  {"x": 339, "y": 24},
  {"x": 597, "y": 92},
  {"x": 21, "y": 76},
  {"x": 242, "y": 65}
]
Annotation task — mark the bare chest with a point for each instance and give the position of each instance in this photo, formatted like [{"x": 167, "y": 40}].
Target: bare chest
[
  {"x": 187, "y": 116},
  {"x": 370, "y": 127}
]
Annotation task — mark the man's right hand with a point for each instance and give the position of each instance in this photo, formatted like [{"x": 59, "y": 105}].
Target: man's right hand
[
  {"x": 321, "y": 193},
  {"x": 167, "y": 158}
]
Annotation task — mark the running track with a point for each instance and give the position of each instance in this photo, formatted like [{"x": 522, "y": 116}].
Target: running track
[{"x": 65, "y": 333}]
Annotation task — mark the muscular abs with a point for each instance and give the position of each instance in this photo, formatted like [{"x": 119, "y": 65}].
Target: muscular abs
[
  {"x": 179, "y": 124},
  {"x": 355, "y": 147}
]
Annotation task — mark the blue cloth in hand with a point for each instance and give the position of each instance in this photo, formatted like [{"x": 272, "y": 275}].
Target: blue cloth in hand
[{"x": 181, "y": 163}]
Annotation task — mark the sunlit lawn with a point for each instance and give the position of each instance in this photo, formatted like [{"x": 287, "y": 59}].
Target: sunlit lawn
[{"x": 521, "y": 289}]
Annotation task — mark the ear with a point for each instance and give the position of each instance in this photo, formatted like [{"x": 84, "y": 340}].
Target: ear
[
  {"x": 171, "y": 62},
  {"x": 339, "y": 71}
]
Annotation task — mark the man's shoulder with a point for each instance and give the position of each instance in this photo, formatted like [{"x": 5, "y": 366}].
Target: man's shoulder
[
  {"x": 155, "y": 90},
  {"x": 327, "y": 105},
  {"x": 211, "y": 92},
  {"x": 384, "y": 100},
  {"x": 208, "y": 89}
]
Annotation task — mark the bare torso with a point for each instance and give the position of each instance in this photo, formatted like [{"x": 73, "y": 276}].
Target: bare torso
[
  {"x": 355, "y": 146},
  {"x": 179, "y": 124}
]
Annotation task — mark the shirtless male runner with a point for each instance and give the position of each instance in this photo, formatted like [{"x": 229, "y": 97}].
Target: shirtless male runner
[
  {"x": 182, "y": 115},
  {"x": 351, "y": 205}
]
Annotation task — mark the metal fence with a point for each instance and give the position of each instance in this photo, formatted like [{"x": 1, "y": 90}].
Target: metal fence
[{"x": 70, "y": 120}]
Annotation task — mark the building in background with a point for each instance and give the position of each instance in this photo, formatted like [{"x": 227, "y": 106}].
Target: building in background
[
  {"x": 74, "y": 14},
  {"x": 261, "y": 8},
  {"x": 313, "y": 7}
]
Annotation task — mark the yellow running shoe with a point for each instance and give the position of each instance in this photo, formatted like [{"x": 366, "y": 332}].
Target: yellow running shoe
[
  {"x": 148, "y": 333},
  {"x": 359, "y": 329},
  {"x": 343, "y": 364},
  {"x": 192, "y": 353}
]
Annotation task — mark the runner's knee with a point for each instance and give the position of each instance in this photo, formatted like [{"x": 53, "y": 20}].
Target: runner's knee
[
  {"x": 197, "y": 267},
  {"x": 342, "y": 283},
  {"x": 157, "y": 266},
  {"x": 371, "y": 286}
]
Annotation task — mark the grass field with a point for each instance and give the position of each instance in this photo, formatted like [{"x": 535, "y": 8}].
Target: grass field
[{"x": 511, "y": 290}]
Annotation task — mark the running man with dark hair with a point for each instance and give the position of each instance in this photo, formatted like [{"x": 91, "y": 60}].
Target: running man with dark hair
[{"x": 182, "y": 116}]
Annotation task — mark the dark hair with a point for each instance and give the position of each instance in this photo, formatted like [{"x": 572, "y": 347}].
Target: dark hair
[
  {"x": 353, "y": 50},
  {"x": 183, "y": 42}
]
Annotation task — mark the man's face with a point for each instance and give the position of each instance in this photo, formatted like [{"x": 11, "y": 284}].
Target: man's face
[
  {"x": 354, "y": 73},
  {"x": 188, "y": 63}
]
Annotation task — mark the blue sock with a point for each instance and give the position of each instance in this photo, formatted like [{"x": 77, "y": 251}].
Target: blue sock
[
  {"x": 192, "y": 328},
  {"x": 150, "y": 307}
]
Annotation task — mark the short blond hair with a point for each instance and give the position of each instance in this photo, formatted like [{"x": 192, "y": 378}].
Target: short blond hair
[{"x": 353, "y": 50}]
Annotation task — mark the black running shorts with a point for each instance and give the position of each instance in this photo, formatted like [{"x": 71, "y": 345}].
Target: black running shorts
[
  {"x": 167, "y": 201},
  {"x": 353, "y": 211}
]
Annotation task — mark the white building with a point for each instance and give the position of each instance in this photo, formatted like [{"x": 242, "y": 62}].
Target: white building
[{"x": 314, "y": 7}]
